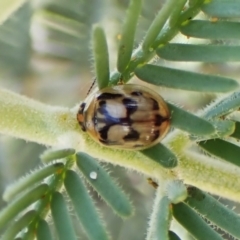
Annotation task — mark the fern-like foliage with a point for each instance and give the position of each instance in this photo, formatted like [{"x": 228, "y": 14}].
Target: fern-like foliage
[{"x": 199, "y": 157}]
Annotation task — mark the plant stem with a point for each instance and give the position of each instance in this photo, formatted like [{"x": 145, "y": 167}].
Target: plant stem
[
  {"x": 57, "y": 126},
  {"x": 31, "y": 120}
]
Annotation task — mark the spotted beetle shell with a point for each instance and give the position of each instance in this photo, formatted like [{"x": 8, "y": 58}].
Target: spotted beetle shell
[{"x": 125, "y": 116}]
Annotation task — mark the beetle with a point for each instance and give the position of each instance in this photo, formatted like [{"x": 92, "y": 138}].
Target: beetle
[{"x": 126, "y": 116}]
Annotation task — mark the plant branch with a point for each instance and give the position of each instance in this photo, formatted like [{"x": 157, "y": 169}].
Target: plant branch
[
  {"x": 31, "y": 120},
  {"x": 58, "y": 127}
]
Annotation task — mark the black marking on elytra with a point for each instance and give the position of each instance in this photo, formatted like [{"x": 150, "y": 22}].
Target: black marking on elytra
[
  {"x": 97, "y": 120},
  {"x": 106, "y": 96},
  {"x": 132, "y": 136},
  {"x": 81, "y": 109},
  {"x": 131, "y": 106},
  {"x": 158, "y": 120},
  {"x": 83, "y": 128},
  {"x": 108, "y": 120},
  {"x": 80, "y": 112},
  {"x": 82, "y": 106},
  {"x": 105, "y": 142},
  {"x": 101, "y": 103},
  {"x": 102, "y": 108},
  {"x": 104, "y": 133},
  {"x": 155, "y": 104},
  {"x": 136, "y": 93}
]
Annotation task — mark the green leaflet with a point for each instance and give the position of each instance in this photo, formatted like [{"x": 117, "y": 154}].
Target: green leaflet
[
  {"x": 104, "y": 185},
  {"x": 20, "y": 203},
  {"x": 222, "y": 149},
  {"x": 190, "y": 220},
  {"x": 189, "y": 122},
  {"x": 160, "y": 219},
  {"x": 214, "y": 211},
  {"x": 43, "y": 231},
  {"x": 179, "y": 79},
  {"x": 19, "y": 225},
  {"x": 199, "y": 53},
  {"x": 127, "y": 38},
  {"x": 157, "y": 24},
  {"x": 162, "y": 155},
  {"x": 84, "y": 207},
  {"x": 61, "y": 218},
  {"x": 28, "y": 181},
  {"x": 101, "y": 60},
  {"x": 223, "y": 128},
  {"x": 51, "y": 154},
  {"x": 222, "y": 8},
  {"x": 211, "y": 30},
  {"x": 223, "y": 106}
]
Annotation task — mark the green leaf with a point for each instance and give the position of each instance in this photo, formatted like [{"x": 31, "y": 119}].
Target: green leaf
[
  {"x": 222, "y": 8},
  {"x": 157, "y": 24},
  {"x": 193, "y": 8},
  {"x": 199, "y": 53},
  {"x": 162, "y": 155},
  {"x": 211, "y": 30},
  {"x": 20, "y": 203},
  {"x": 100, "y": 52},
  {"x": 171, "y": 28},
  {"x": 179, "y": 79},
  {"x": 43, "y": 231},
  {"x": 193, "y": 222},
  {"x": 223, "y": 128},
  {"x": 160, "y": 219},
  {"x": 222, "y": 149},
  {"x": 188, "y": 122},
  {"x": 223, "y": 106},
  {"x": 100, "y": 180},
  {"x": 61, "y": 218},
  {"x": 178, "y": 8},
  {"x": 19, "y": 225},
  {"x": 214, "y": 211},
  {"x": 31, "y": 179},
  {"x": 84, "y": 207},
  {"x": 51, "y": 154},
  {"x": 127, "y": 38}
]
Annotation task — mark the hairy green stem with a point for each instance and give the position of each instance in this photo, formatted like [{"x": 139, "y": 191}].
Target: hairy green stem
[
  {"x": 57, "y": 126},
  {"x": 31, "y": 120}
]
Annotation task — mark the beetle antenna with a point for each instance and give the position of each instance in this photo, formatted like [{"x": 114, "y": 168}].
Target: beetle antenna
[{"x": 94, "y": 81}]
